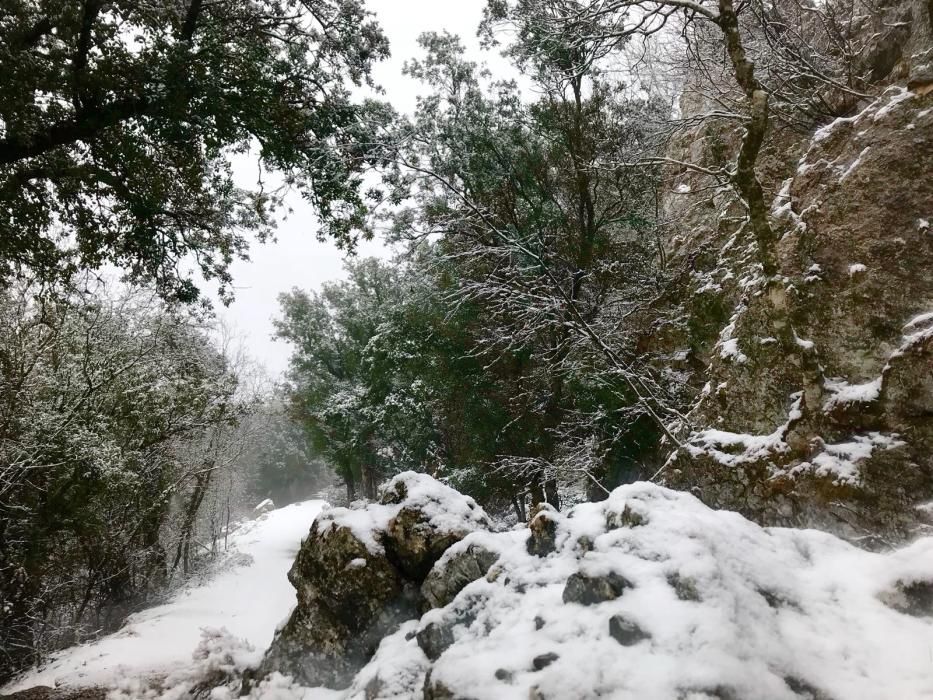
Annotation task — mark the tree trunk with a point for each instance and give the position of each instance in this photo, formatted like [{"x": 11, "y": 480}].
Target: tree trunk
[
  {"x": 182, "y": 552},
  {"x": 368, "y": 479},
  {"x": 351, "y": 485}
]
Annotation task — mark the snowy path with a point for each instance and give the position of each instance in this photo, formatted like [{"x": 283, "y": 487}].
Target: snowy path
[{"x": 249, "y": 600}]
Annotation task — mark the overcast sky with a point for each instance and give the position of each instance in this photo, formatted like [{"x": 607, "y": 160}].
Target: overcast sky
[{"x": 298, "y": 259}]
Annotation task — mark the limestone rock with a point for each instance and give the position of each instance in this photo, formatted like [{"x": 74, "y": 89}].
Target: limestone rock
[
  {"x": 835, "y": 431},
  {"x": 591, "y": 590},
  {"x": 414, "y": 545},
  {"x": 462, "y": 564},
  {"x": 358, "y": 576},
  {"x": 911, "y": 598},
  {"x": 434, "y": 638},
  {"x": 625, "y": 631},
  {"x": 348, "y": 599},
  {"x": 543, "y": 526}
]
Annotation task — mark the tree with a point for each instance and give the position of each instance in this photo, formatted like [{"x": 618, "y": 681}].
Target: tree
[
  {"x": 119, "y": 122},
  {"x": 280, "y": 459},
  {"x": 755, "y": 59},
  {"x": 328, "y": 379},
  {"x": 107, "y": 403},
  {"x": 536, "y": 210},
  {"x": 385, "y": 376}
]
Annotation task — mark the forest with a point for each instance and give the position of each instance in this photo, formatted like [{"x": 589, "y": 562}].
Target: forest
[{"x": 682, "y": 242}]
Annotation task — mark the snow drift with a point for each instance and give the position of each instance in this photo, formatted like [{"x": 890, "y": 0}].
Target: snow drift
[{"x": 233, "y": 614}]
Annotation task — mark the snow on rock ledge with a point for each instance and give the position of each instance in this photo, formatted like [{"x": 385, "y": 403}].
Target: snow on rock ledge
[{"x": 651, "y": 594}]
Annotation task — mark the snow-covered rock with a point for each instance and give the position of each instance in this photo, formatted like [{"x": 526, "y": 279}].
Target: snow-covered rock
[
  {"x": 830, "y": 427},
  {"x": 648, "y": 595},
  {"x": 264, "y": 507},
  {"x": 358, "y": 576},
  {"x": 652, "y": 595}
]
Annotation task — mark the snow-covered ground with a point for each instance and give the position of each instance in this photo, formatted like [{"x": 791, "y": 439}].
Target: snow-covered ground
[
  {"x": 649, "y": 594},
  {"x": 248, "y": 599}
]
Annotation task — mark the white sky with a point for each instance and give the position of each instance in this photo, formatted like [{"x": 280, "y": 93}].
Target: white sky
[{"x": 298, "y": 259}]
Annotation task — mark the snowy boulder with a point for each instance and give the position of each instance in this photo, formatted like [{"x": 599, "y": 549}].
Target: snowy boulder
[
  {"x": 359, "y": 574},
  {"x": 348, "y": 598},
  {"x": 591, "y": 590},
  {"x": 543, "y": 527},
  {"x": 671, "y": 600}
]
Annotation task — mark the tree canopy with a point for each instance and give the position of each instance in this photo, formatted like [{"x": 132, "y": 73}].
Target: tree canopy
[{"x": 120, "y": 123}]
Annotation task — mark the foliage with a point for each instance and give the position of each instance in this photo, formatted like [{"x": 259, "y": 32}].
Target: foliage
[
  {"x": 119, "y": 123},
  {"x": 280, "y": 460},
  {"x": 547, "y": 227},
  {"x": 110, "y": 411}
]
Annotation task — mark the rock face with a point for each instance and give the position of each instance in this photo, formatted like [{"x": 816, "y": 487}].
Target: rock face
[
  {"x": 839, "y": 433},
  {"x": 815, "y": 390},
  {"x": 358, "y": 577},
  {"x": 462, "y": 564}
]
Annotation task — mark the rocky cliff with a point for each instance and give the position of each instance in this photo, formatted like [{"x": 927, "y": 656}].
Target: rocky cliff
[{"x": 836, "y": 431}]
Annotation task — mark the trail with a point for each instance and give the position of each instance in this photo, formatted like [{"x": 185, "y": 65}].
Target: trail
[{"x": 249, "y": 598}]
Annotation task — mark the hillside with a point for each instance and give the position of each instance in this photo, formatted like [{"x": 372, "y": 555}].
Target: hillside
[{"x": 637, "y": 403}]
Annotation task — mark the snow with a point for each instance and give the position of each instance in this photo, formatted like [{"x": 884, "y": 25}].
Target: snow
[
  {"x": 730, "y": 349},
  {"x": 760, "y": 611},
  {"x": 241, "y": 602},
  {"x": 447, "y": 510},
  {"x": 856, "y": 268},
  {"x": 814, "y": 272},
  {"x": 364, "y": 523},
  {"x": 731, "y": 609},
  {"x": 920, "y": 320},
  {"x": 881, "y": 107},
  {"x": 920, "y": 329},
  {"x": 900, "y": 94},
  {"x": 841, "y": 460},
  {"x": 842, "y": 393},
  {"x": 729, "y": 346},
  {"x": 854, "y": 164},
  {"x": 734, "y": 449},
  {"x": 824, "y": 132},
  {"x": 804, "y": 343},
  {"x": 877, "y": 110}
]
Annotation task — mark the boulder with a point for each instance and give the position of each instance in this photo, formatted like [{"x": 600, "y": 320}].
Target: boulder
[
  {"x": 625, "y": 631},
  {"x": 349, "y": 597},
  {"x": 358, "y": 576},
  {"x": 911, "y": 598},
  {"x": 543, "y": 527},
  {"x": 462, "y": 564},
  {"x": 434, "y": 638}
]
